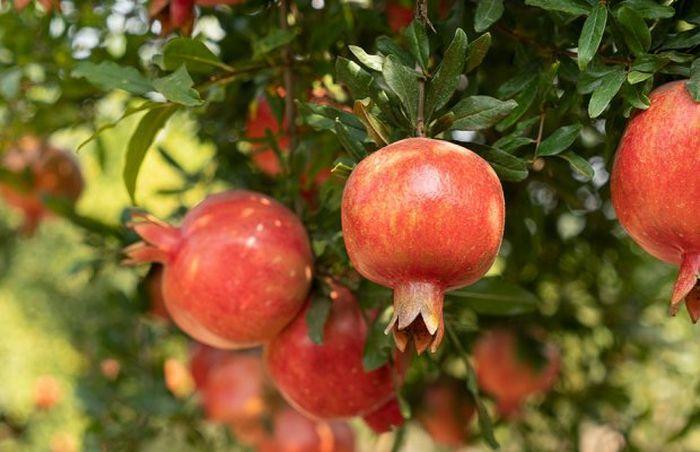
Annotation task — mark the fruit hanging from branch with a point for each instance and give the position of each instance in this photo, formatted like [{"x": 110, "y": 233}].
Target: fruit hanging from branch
[
  {"x": 445, "y": 412},
  {"x": 327, "y": 380},
  {"x": 655, "y": 184},
  {"x": 386, "y": 418},
  {"x": 236, "y": 271},
  {"x": 422, "y": 216},
  {"x": 35, "y": 170}
]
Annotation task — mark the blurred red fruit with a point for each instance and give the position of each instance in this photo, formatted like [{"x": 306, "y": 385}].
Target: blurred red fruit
[
  {"x": 385, "y": 418},
  {"x": 110, "y": 368},
  {"x": 293, "y": 432},
  {"x": 47, "y": 392},
  {"x": 446, "y": 411},
  {"x": 202, "y": 359}
]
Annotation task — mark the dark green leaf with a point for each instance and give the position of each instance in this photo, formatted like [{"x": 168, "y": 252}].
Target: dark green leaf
[
  {"x": 140, "y": 141},
  {"x": 560, "y": 140},
  {"x": 683, "y": 40},
  {"x": 636, "y": 33},
  {"x": 477, "y": 50},
  {"x": 273, "y": 40},
  {"x": 487, "y": 13},
  {"x": 357, "y": 80},
  {"x": 524, "y": 100},
  {"x": 517, "y": 84},
  {"x": 194, "y": 54},
  {"x": 604, "y": 94},
  {"x": 374, "y": 62},
  {"x": 480, "y": 112},
  {"x": 403, "y": 82},
  {"x": 591, "y": 35},
  {"x": 634, "y": 97},
  {"x": 316, "y": 317},
  {"x": 508, "y": 167},
  {"x": 578, "y": 163},
  {"x": 418, "y": 43},
  {"x": 575, "y": 7},
  {"x": 109, "y": 75},
  {"x": 444, "y": 83},
  {"x": 327, "y": 115},
  {"x": 378, "y": 346},
  {"x": 351, "y": 144},
  {"x": 650, "y": 9},
  {"x": 177, "y": 88},
  {"x": 494, "y": 296},
  {"x": 694, "y": 82},
  {"x": 388, "y": 47}
]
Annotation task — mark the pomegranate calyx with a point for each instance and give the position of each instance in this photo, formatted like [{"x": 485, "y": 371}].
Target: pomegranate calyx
[
  {"x": 160, "y": 240},
  {"x": 417, "y": 316},
  {"x": 687, "y": 280}
]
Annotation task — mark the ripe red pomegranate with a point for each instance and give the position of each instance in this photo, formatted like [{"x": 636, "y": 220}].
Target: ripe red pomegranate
[
  {"x": 236, "y": 271},
  {"x": 446, "y": 411},
  {"x": 53, "y": 173},
  {"x": 509, "y": 377},
  {"x": 293, "y": 432},
  {"x": 385, "y": 418},
  {"x": 399, "y": 15},
  {"x": 328, "y": 381},
  {"x": 260, "y": 119},
  {"x": 655, "y": 184},
  {"x": 422, "y": 216},
  {"x": 202, "y": 359}
]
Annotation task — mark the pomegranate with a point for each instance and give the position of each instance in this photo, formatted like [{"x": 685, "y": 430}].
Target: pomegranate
[
  {"x": 53, "y": 173},
  {"x": 655, "y": 185},
  {"x": 422, "y": 216},
  {"x": 385, "y": 418},
  {"x": 508, "y": 377},
  {"x": 47, "y": 392},
  {"x": 294, "y": 432},
  {"x": 327, "y": 381},
  {"x": 110, "y": 368},
  {"x": 236, "y": 271},
  {"x": 260, "y": 119},
  {"x": 446, "y": 411},
  {"x": 399, "y": 15},
  {"x": 202, "y": 359},
  {"x": 177, "y": 378}
]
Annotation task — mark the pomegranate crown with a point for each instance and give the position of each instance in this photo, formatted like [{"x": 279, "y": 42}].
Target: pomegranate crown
[{"x": 160, "y": 240}]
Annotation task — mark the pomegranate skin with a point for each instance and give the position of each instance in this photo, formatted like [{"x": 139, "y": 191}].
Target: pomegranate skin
[
  {"x": 655, "y": 185},
  {"x": 54, "y": 172},
  {"x": 506, "y": 376},
  {"x": 385, "y": 418},
  {"x": 202, "y": 360},
  {"x": 260, "y": 119},
  {"x": 422, "y": 216},
  {"x": 328, "y": 381},
  {"x": 446, "y": 411},
  {"x": 295, "y": 433},
  {"x": 236, "y": 271}
]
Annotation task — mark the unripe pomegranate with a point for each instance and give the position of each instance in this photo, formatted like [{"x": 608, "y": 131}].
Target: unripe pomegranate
[
  {"x": 385, "y": 418},
  {"x": 422, "y": 216},
  {"x": 509, "y": 377},
  {"x": 236, "y": 271},
  {"x": 445, "y": 412},
  {"x": 47, "y": 392},
  {"x": 655, "y": 184},
  {"x": 293, "y": 432},
  {"x": 53, "y": 173},
  {"x": 328, "y": 381},
  {"x": 260, "y": 119}
]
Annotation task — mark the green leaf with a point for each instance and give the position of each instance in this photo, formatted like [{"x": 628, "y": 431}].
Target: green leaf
[
  {"x": 357, "y": 80},
  {"x": 694, "y": 82},
  {"x": 444, "y": 83},
  {"x": 403, "y": 82},
  {"x": 635, "y": 30},
  {"x": 494, "y": 296},
  {"x": 604, "y": 94},
  {"x": 477, "y": 50},
  {"x": 634, "y": 97},
  {"x": 507, "y": 166},
  {"x": 487, "y": 13},
  {"x": 560, "y": 140},
  {"x": 376, "y": 129},
  {"x": 351, "y": 144},
  {"x": 149, "y": 126},
  {"x": 388, "y": 47},
  {"x": 129, "y": 111},
  {"x": 683, "y": 40},
  {"x": 650, "y": 9},
  {"x": 591, "y": 35},
  {"x": 194, "y": 54},
  {"x": 374, "y": 62},
  {"x": 378, "y": 346},
  {"x": 177, "y": 88},
  {"x": 574, "y": 7},
  {"x": 316, "y": 317},
  {"x": 524, "y": 100},
  {"x": 109, "y": 76},
  {"x": 579, "y": 164},
  {"x": 418, "y": 43},
  {"x": 273, "y": 40},
  {"x": 327, "y": 115},
  {"x": 480, "y": 112}
]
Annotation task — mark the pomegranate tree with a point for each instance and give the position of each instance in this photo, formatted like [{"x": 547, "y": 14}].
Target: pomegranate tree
[
  {"x": 52, "y": 172},
  {"x": 235, "y": 272},
  {"x": 445, "y": 412},
  {"x": 328, "y": 381},
  {"x": 422, "y": 216},
  {"x": 508, "y": 376},
  {"x": 655, "y": 184}
]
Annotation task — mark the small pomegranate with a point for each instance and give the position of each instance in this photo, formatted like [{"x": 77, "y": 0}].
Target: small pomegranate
[
  {"x": 236, "y": 271},
  {"x": 399, "y": 14},
  {"x": 655, "y": 184},
  {"x": 446, "y": 411},
  {"x": 260, "y": 119},
  {"x": 422, "y": 216},
  {"x": 177, "y": 378},
  {"x": 508, "y": 377},
  {"x": 327, "y": 381},
  {"x": 53, "y": 173},
  {"x": 293, "y": 432},
  {"x": 385, "y": 418},
  {"x": 47, "y": 392},
  {"x": 202, "y": 359},
  {"x": 110, "y": 368},
  {"x": 154, "y": 291}
]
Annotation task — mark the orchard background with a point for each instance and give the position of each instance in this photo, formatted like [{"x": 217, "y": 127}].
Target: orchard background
[{"x": 162, "y": 104}]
